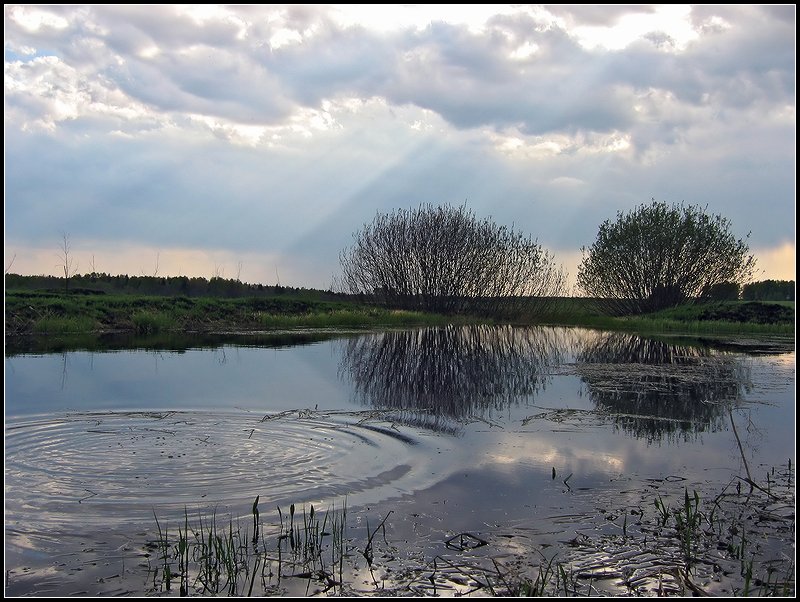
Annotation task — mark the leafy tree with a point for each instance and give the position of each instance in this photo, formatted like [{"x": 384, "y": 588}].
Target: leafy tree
[
  {"x": 444, "y": 259},
  {"x": 658, "y": 256},
  {"x": 723, "y": 291}
]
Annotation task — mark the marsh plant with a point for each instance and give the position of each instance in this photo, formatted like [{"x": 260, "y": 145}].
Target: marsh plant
[
  {"x": 51, "y": 324},
  {"x": 737, "y": 539},
  {"x": 145, "y": 321},
  {"x": 681, "y": 544},
  {"x": 210, "y": 556},
  {"x": 552, "y": 579},
  {"x": 304, "y": 535}
]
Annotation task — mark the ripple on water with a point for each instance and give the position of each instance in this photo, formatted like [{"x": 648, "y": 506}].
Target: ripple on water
[{"x": 82, "y": 469}]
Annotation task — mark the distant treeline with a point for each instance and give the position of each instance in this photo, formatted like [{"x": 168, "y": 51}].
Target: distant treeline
[
  {"x": 171, "y": 286},
  {"x": 769, "y": 290}
]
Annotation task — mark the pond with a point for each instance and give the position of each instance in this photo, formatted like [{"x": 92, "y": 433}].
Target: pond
[{"x": 449, "y": 460}]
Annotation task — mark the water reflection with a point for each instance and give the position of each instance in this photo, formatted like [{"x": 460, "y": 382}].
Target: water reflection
[
  {"x": 169, "y": 341},
  {"x": 451, "y": 371},
  {"x": 658, "y": 389},
  {"x": 653, "y": 389},
  {"x": 435, "y": 378}
]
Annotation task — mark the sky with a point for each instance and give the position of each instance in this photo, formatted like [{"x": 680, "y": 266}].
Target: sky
[{"x": 252, "y": 142}]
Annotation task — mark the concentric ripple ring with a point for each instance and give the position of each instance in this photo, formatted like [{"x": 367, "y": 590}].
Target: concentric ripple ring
[{"x": 98, "y": 468}]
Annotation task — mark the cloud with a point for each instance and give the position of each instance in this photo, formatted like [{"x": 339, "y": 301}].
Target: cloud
[
  {"x": 606, "y": 15},
  {"x": 279, "y": 130},
  {"x": 227, "y": 67}
]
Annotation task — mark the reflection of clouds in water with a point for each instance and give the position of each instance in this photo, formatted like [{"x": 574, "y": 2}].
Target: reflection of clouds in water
[
  {"x": 550, "y": 454},
  {"x": 498, "y": 464},
  {"x": 594, "y": 459},
  {"x": 785, "y": 359}
]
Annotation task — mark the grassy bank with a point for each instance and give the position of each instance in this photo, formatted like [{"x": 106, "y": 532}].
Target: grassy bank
[
  {"x": 51, "y": 313},
  {"x": 724, "y": 317},
  {"x": 63, "y": 313}
]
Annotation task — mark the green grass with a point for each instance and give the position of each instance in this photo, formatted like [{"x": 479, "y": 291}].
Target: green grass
[
  {"x": 731, "y": 317},
  {"x": 147, "y": 322},
  {"x": 744, "y": 311},
  {"x": 652, "y": 325},
  {"x": 63, "y": 325},
  {"x": 214, "y": 557},
  {"x": 49, "y": 313},
  {"x": 352, "y": 318}
]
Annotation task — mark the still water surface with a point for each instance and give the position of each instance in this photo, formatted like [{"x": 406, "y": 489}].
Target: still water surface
[{"x": 522, "y": 434}]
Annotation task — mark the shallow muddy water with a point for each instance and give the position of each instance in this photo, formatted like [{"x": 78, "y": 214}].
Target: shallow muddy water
[{"x": 524, "y": 444}]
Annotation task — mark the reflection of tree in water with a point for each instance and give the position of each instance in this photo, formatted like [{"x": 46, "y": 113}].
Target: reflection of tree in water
[
  {"x": 658, "y": 389},
  {"x": 452, "y": 371}
]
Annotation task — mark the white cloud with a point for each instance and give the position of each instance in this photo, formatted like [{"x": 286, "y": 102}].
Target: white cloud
[
  {"x": 33, "y": 19},
  {"x": 308, "y": 119},
  {"x": 671, "y": 22},
  {"x": 525, "y": 51},
  {"x": 393, "y": 17}
]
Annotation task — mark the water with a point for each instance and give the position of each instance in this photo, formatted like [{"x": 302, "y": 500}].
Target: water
[{"x": 523, "y": 437}]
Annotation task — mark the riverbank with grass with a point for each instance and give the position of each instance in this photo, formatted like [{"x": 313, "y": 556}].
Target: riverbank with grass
[
  {"x": 768, "y": 318},
  {"x": 49, "y": 313},
  {"x": 29, "y": 312}
]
